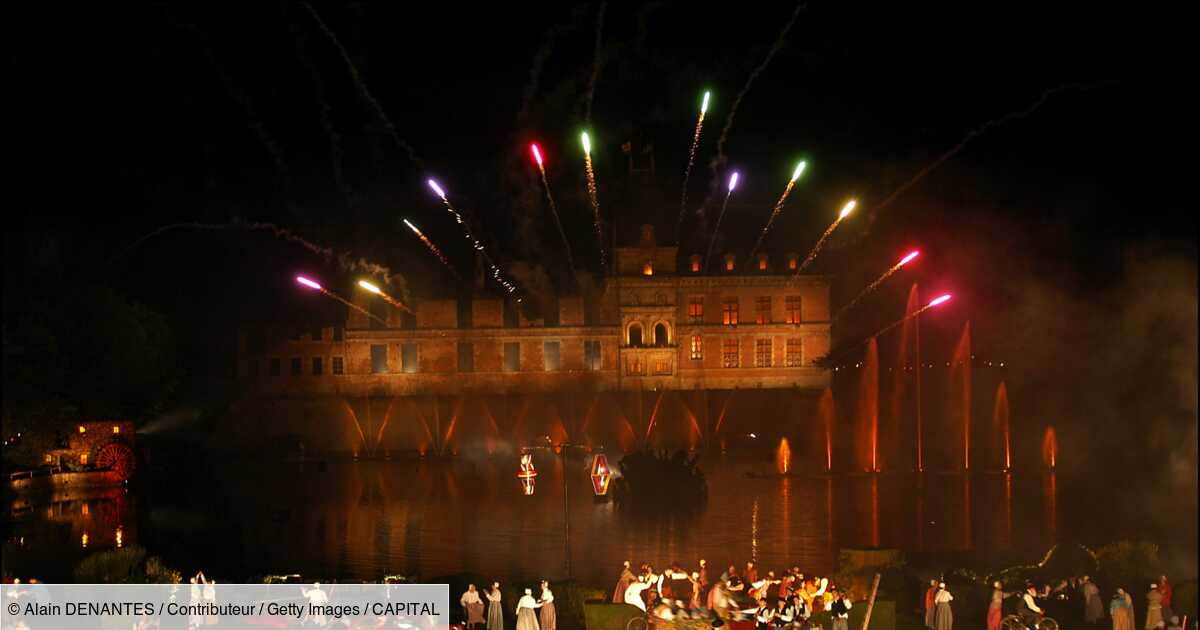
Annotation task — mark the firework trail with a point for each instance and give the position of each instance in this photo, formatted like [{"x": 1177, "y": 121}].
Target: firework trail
[
  {"x": 386, "y": 298},
  {"x": 591, "y": 92},
  {"x": 812, "y": 255},
  {"x": 376, "y": 108},
  {"x": 345, "y": 261},
  {"x": 878, "y": 281},
  {"x": 496, "y": 275},
  {"x": 945, "y": 297},
  {"x": 778, "y": 207},
  {"x": 593, "y": 195},
  {"x": 335, "y": 146},
  {"x": 537, "y": 157},
  {"x": 733, "y": 179},
  {"x": 754, "y": 75},
  {"x": 979, "y": 131},
  {"x": 317, "y": 287},
  {"x": 433, "y": 249},
  {"x": 687, "y": 172}
]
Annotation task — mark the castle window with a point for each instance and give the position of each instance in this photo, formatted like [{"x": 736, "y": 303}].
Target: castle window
[
  {"x": 795, "y": 356},
  {"x": 697, "y": 348},
  {"x": 379, "y": 359},
  {"x": 729, "y": 312},
  {"x": 297, "y": 366},
  {"x": 466, "y": 356},
  {"x": 591, "y": 355},
  {"x": 551, "y": 356},
  {"x": 792, "y": 309},
  {"x": 408, "y": 358},
  {"x": 729, "y": 352},
  {"x": 634, "y": 366},
  {"x": 695, "y": 265},
  {"x": 662, "y": 367},
  {"x": 762, "y": 352},
  {"x": 635, "y": 334},
  {"x": 696, "y": 309},
  {"x": 338, "y": 365},
  {"x": 317, "y": 367},
  {"x": 661, "y": 339},
  {"x": 512, "y": 356},
  {"x": 762, "y": 309},
  {"x": 648, "y": 268}
]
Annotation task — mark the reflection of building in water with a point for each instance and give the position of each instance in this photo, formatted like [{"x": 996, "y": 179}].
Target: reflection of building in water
[{"x": 652, "y": 327}]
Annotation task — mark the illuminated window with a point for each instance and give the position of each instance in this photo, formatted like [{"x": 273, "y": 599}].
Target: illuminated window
[
  {"x": 662, "y": 367},
  {"x": 512, "y": 356},
  {"x": 762, "y": 262},
  {"x": 83, "y": 459},
  {"x": 792, "y": 263},
  {"x": 696, "y": 309},
  {"x": 551, "y": 355},
  {"x": 591, "y": 355},
  {"x": 116, "y": 429},
  {"x": 762, "y": 309},
  {"x": 795, "y": 356},
  {"x": 338, "y": 366},
  {"x": 792, "y": 309},
  {"x": 729, "y": 264},
  {"x": 648, "y": 268},
  {"x": 466, "y": 356},
  {"x": 634, "y": 366},
  {"x": 729, "y": 353},
  {"x": 695, "y": 265},
  {"x": 762, "y": 352},
  {"x": 697, "y": 348},
  {"x": 408, "y": 358},
  {"x": 729, "y": 312}
]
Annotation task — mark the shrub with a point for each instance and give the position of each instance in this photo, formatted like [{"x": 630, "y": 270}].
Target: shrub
[
  {"x": 1129, "y": 563},
  {"x": 124, "y": 566}
]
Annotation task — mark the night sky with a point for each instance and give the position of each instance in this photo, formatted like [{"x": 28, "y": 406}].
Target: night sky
[{"x": 1066, "y": 236}]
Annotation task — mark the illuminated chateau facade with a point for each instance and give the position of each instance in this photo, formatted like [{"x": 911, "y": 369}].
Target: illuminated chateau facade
[{"x": 653, "y": 326}]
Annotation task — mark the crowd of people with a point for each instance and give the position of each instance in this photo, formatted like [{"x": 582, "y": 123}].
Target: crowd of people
[
  {"x": 532, "y": 613},
  {"x": 788, "y": 598},
  {"x": 1081, "y": 592}
]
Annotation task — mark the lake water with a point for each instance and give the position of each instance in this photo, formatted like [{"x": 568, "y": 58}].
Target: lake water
[{"x": 361, "y": 520}]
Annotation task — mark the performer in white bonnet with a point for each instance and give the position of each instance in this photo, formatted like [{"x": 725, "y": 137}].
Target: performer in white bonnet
[
  {"x": 548, "y": 617},
  {"x": 526, "y": 618},
  {"x": 943, "y": 616}
]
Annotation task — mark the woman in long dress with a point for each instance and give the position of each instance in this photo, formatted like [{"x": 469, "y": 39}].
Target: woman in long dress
[
  {"x": 943, "y": 617},
  {"x": 623, "y": 583},
  {"x": 1093, "y": 609},
  {"x": 526, "y": 618},
  {"x": 1121, "y": 609},
  {"x": 495, "y": 618},
  {"x": 548, "y": 618},
  {"x": 995, "y": 607},
  {"x": 1154, "y": 614},
  {"x": 472, "y": 606},
  {"x": 929, "y": 596}
]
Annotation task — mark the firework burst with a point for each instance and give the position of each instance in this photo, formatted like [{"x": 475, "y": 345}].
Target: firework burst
[
  {"x": 432, "y": 248},
  {"x": 593, "y": 195},
  {"x": 496, "y": 275},
  {"x": 812, "y": 255},
  {"x": 779, "y": 206},
  {"x": 687, "y": 172},
  {"x": 537, "y": 157},
  {"x": 733, "y": 180},
  {"x": 878, "y": 281}
]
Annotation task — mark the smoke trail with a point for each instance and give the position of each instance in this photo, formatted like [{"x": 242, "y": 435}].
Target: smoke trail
[
  {"x": 539, "y": 61},
  {"x": 376, "y": 108},
  {"x": 345, "y": 261},
  {"x": 335, "y": 147},
  {"x": 979, "y": 131},
  {"x": 750, "y": 80},
  {"x": 557, "y": 221},
  {"x": 716, "y": 230},
  {"x": 596, "y": 62}
]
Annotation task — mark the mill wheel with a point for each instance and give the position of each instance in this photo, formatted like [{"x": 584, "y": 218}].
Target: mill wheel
[
  {"x": 117, "y": 457},
  {"x": 1011, "y": 622}
]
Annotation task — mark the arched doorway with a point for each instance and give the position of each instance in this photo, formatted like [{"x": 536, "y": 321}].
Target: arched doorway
[
  {"x": 635, "y": 334},
  {"x": 661, "y": 339}
]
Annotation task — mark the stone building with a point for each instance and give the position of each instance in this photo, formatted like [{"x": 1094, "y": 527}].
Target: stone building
[{"x": 652, "y": 327}]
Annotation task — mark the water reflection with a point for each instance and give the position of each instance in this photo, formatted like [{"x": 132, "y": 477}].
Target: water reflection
[{"x": 366, "y": 519}]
